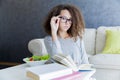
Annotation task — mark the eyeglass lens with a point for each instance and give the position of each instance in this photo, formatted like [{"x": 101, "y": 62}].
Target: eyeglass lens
[{"x": 65, "y": 20}]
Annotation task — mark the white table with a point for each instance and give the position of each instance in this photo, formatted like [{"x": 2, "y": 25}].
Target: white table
[{"x": 19, "y": 73}]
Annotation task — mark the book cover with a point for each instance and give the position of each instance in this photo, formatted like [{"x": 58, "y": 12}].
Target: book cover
[
  {"x": 48, "y": 71},
  {"x": 73, "y": 76},
  {"x": 79, "y": 75}
]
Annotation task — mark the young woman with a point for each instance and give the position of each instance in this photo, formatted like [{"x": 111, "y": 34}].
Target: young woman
[{"x": 65, "y": 27}]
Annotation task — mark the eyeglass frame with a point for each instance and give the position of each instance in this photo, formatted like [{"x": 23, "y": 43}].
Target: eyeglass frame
[{"x": 65, "y": 20}]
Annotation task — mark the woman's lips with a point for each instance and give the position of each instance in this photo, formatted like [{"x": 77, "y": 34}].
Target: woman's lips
[{"x": 66, "y": 27}]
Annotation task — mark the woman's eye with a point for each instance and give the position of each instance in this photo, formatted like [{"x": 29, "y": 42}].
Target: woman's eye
[
  {"x": 69, "y": 20},
  {"x": 63, "y": 18}
]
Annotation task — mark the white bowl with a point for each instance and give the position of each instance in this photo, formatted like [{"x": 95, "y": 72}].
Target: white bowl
[{"x": 34, "y": 63}]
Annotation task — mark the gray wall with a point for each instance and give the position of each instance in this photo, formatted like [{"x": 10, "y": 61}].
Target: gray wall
[{"x": 21, "y": 21}]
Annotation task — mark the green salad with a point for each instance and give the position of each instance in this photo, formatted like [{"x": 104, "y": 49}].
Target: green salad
[{"x": 38, "y": 58}]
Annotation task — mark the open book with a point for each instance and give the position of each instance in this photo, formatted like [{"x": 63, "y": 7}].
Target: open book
[{"x": 68, "y": 61}]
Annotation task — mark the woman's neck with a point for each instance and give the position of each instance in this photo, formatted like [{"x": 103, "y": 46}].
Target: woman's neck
[{"x": 63, "y": 35}]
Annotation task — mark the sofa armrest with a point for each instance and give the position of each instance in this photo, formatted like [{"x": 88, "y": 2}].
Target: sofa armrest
[{"x": 37, "y": 47}]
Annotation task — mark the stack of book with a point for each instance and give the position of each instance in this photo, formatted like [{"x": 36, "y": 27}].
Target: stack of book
[
  {"x": 48, "y": 71},
  {"x": 67, "y": 70}
]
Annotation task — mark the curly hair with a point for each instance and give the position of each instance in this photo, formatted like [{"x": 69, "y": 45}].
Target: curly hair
[{"x": 77, "y": 27}]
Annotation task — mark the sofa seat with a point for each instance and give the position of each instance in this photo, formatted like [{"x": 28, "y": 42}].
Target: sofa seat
[{"x": 109, "y": 61}]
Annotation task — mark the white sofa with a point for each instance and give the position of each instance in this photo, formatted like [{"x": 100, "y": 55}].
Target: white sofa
[{"x": 107, "y": 65}]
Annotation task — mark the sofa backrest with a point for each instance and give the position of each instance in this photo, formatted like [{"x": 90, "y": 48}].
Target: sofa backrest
[
  {"x": 94, "y": 41},
  {"x": 37, "y": 47},
  {"x": 101, "y": 36},
  {"x": 89, "y": 40}
]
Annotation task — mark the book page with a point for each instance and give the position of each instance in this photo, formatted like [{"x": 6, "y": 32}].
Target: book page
[
  {"x": 65, "y": 60},
  {"x": 85, "y": 67}
]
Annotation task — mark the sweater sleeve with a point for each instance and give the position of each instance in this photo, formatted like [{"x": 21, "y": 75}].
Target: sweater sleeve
[
  {"x": 84, "y": 56},
  {"x": 53, "y": 47}
]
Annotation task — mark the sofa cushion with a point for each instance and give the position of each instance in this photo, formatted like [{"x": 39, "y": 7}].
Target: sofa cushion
[
  {"x": 112, "y": 42},
  {"x": 106, "y": 61},
  {"x": 89, "y": 40},
  {"x": 101, "y": 37}
]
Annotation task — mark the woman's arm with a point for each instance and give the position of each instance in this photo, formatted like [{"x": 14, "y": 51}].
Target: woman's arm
[
  {"x": 53, "y": 47},
  {"x": 84, "y": 56},
  {"x": 54, "y": 27},
  {"x": 51, "y": 42}
]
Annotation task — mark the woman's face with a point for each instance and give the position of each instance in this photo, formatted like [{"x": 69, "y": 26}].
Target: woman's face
[{"x": 65, "y": 20}]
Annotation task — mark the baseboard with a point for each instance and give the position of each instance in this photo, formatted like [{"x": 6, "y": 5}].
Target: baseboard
[{"x": 9, "y": 63}]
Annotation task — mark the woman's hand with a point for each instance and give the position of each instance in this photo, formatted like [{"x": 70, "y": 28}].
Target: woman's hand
[{"x": 54, "y": 24}]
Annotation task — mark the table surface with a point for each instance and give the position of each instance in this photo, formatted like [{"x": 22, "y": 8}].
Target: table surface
[{"x": 19, "y": 73}]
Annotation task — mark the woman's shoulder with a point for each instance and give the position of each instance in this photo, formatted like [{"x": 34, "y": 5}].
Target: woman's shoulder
[
  {"x": 79, "y": 40},
  {"x": 48, "y": 38}
]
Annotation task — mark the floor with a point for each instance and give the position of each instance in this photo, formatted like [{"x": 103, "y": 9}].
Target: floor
[{"x": 3, "y": 66}]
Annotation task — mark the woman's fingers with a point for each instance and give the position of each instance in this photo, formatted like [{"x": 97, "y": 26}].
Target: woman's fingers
[
  {"x": 55, "y": 23},
  {"x": 55, "y": 20},
  {"x": 58, "y": 20}
]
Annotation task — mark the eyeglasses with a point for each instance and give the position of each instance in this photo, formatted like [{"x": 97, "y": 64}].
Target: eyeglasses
[{"x": 65, "y": 20}]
